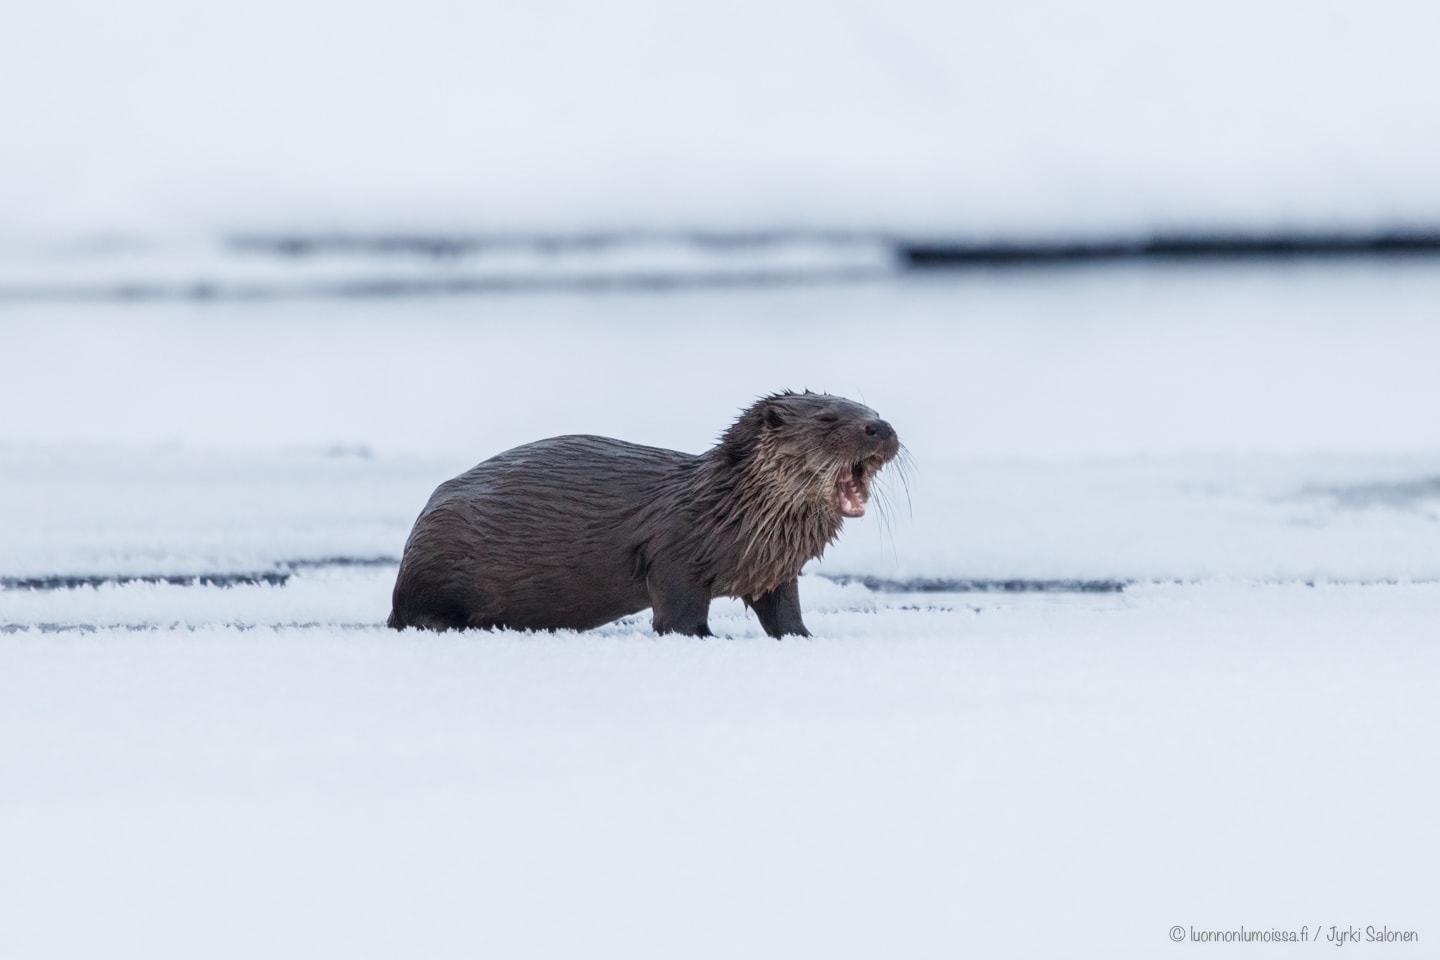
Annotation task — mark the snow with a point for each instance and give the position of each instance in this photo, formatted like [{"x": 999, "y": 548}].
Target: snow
[
  {"x": 1035, "y": 117},
  {"x": 1242, "y": 736},
  {"x": 1016, "y": 776}
]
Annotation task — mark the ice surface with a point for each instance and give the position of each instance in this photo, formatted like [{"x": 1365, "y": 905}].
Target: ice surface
[
  {"x": 1243, "y": 736},
  {"x": 155, "y": 511},
  {"x": 1029, "y": 365},
  {"x": 1010, "y": 777},
  {"x": 1141, "y": 424}
]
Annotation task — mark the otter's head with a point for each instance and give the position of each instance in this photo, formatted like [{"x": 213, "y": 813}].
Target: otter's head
[{"x": 821, "y": 449}]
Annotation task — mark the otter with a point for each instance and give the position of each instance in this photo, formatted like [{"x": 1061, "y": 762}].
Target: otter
[{"x": 576, "y": 531}]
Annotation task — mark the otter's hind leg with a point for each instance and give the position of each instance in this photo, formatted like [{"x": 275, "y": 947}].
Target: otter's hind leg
[
  {"x": 427, "y": 604},
  {"x": 779, "y": 611},
  {"x": 428, "y": 620}
]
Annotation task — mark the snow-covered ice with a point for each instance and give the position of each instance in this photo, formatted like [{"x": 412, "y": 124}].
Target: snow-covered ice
[
  {"x": 1017, "y": 776},
  {"x": 1242, "y": 736},
  {"x": 1144, "y": 424},
  {"x": 1030, "y": 365},
  {"x": 85, "y": 512}
]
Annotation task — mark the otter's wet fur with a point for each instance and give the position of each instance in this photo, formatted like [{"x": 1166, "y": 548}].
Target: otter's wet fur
[{"x": 574, "y": 532}]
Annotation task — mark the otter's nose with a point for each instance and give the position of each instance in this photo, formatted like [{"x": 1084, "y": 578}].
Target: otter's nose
[{"x": 879, "y": 429}]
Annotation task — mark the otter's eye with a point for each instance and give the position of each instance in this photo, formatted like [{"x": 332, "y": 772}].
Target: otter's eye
[
  {"x": 828, "y": 418},
  {"x": 773, "y": 418}
]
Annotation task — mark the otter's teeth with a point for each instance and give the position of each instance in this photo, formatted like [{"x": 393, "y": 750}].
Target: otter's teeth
[{"x": 851, "y": 497}]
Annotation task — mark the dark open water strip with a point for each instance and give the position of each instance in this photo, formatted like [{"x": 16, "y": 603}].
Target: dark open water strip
[
  {"x": 66, "y": 581},
  {"x": 277, "y": 576},
  {"x": 1179, "y": 247},
  {"x": 857, "y": 258}
]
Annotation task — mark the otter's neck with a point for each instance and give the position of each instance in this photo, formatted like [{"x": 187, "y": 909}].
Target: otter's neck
[{"x": 757, "y": 521}]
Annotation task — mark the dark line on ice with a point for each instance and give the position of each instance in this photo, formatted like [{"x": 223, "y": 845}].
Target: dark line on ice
[
  {"x": 395, "y": 288},
  {"x": 940, "y": 254},
  {"x": 318, "y": 562},
  {"x": 443, "y": 246},
  {"x": 75, "y": 581},
  {"x": 969, "y": 585},
  {"x": 87, "y": 628},
  {"x": 277, "y": 577}
]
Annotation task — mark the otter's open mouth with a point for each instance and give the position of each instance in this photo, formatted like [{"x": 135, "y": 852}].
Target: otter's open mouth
[{"x": 852, "y": 487}]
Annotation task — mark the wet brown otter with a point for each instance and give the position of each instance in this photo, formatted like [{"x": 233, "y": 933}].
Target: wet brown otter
[{"x": 573, "y": 532}]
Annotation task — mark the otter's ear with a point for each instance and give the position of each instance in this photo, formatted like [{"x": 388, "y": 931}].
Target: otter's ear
[{"x": 772, "y": 417}]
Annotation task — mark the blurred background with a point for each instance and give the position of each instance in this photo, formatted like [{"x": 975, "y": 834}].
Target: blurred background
[{"x": 1033, "y": 120}]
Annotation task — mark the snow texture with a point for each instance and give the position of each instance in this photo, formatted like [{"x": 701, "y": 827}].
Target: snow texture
[
  {"x": 1243, "y": 736},
  {"x": 1020, "y": 776}
]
